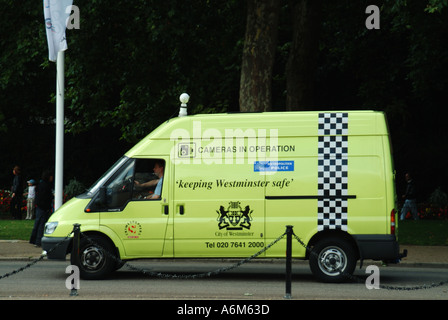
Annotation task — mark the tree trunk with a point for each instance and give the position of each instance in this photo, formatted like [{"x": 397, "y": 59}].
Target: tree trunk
[
  {"x": 302, "y": 60},
  {"x": 258, "y": 55}
]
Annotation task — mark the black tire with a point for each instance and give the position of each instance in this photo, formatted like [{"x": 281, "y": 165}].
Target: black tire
[
  {"x": 331, "y": 256},
  {"x": 94, "y": 263}
]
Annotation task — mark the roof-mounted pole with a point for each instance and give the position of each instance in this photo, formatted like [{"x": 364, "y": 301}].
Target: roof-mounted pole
[{"x": 184, "y": 97}]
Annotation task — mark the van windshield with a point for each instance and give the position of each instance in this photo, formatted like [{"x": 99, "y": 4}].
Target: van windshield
[{"x": 94, "y": 188}]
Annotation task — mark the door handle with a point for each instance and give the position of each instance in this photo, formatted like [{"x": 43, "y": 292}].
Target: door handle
[
  {"x": 166, "y": 210},
  {"x": 181, "y": 210}
]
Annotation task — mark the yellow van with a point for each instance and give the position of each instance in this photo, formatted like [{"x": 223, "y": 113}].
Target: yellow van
[{"x": 226, "y": 185}]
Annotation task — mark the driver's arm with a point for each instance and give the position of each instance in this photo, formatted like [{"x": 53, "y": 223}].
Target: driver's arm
[{"x": 151, "y": 183}]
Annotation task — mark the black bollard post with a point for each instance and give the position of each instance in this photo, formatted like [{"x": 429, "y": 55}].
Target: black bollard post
[
  {"x": 75, "y": 251},
  {"x": 76, "y": 237},
  {"x": 288, "y": 261}
]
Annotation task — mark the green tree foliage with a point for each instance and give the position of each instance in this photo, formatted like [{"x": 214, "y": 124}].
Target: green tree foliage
[
  {"x": 130, "y": 60},
  {"x": 26, "y": 85},
  {"x": 400, "y": 69},
  {"x": 23, "y": 74}
]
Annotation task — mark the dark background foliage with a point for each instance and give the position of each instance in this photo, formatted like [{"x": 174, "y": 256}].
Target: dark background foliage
[{"x": 130, "y": 60}]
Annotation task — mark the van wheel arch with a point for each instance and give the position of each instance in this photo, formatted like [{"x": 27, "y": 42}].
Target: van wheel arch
[
  {"x": 102, "y": 235},
  {"x": 115, "y": 251},
  {"x": 93, "y": 234},
  {"x": 106, "y": 264},
  {"x": 336, "y": 246},
  {"x": 333, "y": 234}
]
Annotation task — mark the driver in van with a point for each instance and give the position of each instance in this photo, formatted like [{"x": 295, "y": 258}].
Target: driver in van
[{"x": 158, "y": 171}]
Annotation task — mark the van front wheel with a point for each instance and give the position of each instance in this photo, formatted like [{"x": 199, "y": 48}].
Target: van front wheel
[
  {"x": 94, "y": 262},
  {"x": 332, "y": 259}
]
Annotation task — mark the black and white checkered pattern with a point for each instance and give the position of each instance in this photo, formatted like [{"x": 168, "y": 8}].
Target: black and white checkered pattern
[
  {"x": 333, "y": 124},
  {"x": 332, "y": 171}
]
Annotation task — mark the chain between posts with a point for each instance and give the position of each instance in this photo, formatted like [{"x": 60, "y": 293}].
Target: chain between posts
[
  {"x": 185, "y": 276},
  {"x": 36, "y": 260},
  {"x": 359, "y": 280},
  {"x": 288, "y": 232}
]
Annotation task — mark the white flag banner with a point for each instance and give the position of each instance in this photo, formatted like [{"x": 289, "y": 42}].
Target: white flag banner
[{"x": 56, "y": 14}]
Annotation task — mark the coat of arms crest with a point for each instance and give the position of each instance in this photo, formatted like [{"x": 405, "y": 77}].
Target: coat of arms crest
[{"x": 234, "y": 217}]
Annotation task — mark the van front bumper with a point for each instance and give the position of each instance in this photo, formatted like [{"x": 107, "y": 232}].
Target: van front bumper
[
  {"x": 55, "y": 247},
  {"x": 379, "y": 247}
]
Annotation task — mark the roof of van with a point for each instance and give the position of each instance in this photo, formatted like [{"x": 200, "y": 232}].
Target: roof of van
[{"x": 286, "y": 124}]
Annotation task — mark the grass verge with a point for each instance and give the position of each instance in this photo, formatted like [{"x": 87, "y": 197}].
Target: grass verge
[
  {"x": 16, "y": 229},
  {"x": 423, "y": 232}
]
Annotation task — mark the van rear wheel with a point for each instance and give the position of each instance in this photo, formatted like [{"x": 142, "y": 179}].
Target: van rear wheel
[
  {"x": 95, "y": 260},
  {"x": 332, "y": 259}
]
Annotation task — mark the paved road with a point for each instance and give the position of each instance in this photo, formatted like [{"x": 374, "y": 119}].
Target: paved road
[{"x": 258, "y": 280}]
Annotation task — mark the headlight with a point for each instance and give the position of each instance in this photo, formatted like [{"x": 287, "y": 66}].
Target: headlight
[{"x": 50, "y": 227}]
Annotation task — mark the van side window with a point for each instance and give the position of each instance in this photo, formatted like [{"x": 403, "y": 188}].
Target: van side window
[
  {"x": 148, "y": 181},
  {"x": 120, "y": 186},
  {"x": 136, "y": 179}
]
